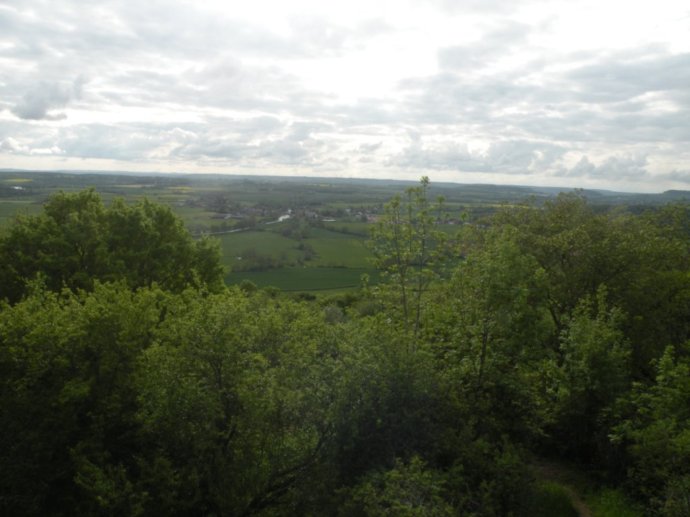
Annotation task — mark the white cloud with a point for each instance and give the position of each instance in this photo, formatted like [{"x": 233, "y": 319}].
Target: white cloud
[
  {"x": 11, "y": 145},
  {"x": 529, "y": 90}
]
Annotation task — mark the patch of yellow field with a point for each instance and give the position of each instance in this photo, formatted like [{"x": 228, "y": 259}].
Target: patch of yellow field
[{"x": 18, "y": 180}]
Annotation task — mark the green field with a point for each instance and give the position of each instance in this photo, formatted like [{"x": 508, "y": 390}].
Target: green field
[
  {"x": 306, "y": 278},
  {"x": 338, "y": 259},
  {"x": 335, "y": 249},
  {"x": 11, "y": 208},
  {"x": 300, "y": 254},
  {"x": 235, "y": 245},
  {"x": 322, "y": 246},
  {"x": 356, "y": 228}
]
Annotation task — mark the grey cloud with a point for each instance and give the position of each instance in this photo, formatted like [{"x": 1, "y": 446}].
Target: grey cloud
[
  {"x": 285, "y": 144},
  {"x": 679, "y": 176},
  {"x": 612, "y": 168},
  {"x": 369, "y": 148},
  {"x": 231, "y": 84},
  {"x": 43, "y": 99},
  {"x": 226, "y": 83},
  {"x": 300, "y": 131},
  {"x": 619, "y": 78},
  {"x": 461, "y": 57},
  {"x": 496, "y": 44},
  {"x": 451, "y": 98},
  {"x": 508, "y": 157},
  {"x": 163, "y": 30},
  {"x": 254, "y": 126},
  {"x": 11, "y": 145},
  {"x": 439, "y": 157},
  {"x": 19, "y": 129},
  {"x": 210, "y": 149},
  {"x": 283, "y": 152},
  {"x": 312, "y": 151},
  {"x": 129, "y": 142},
  {"x": 515, "y": 156},
  {"x": 236, "y": 140},
  {"x": 190, "y": 32},
  {"x": 134, "y": 54},
  {"x": 602, "y": 101},
  {"x": 583, "y": 168},
  {"x": 236, "y": 81},
  {"x": 227, "y": 149},
  {"x": 371, "y": 116},
  {"x": 74, "y": 42},
  {"x": 622, "y": 168},
  {"x": 122, "y": 142}
]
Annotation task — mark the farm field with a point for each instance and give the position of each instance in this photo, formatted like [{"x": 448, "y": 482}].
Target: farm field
[
  {"x": 306, "y": 278},
  {"x": 334, "y": 249},
  {"x": 11, "y": 208},
  {"x": 302, "y": 253},
  {"x": 320, "y": 241},
  {"x": 237, "y": 246},
  {"x": 333, "y": 261}
]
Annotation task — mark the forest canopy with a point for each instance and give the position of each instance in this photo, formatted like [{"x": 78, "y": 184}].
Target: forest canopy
[
  {"x": 77, "y": 241},
  {"x": 133, "y": 382}
]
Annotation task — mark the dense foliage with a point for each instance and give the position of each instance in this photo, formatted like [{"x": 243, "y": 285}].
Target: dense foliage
[
  {"x": 77, "y": 241},
  {"x": 132, "y": 382}
]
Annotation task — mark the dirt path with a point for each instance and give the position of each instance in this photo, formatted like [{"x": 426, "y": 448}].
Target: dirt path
[{"x": 552, "y": 471}]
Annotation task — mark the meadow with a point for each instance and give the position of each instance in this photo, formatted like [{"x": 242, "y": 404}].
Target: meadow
[
  {"x": 303, "y": 253},
  {"x": 322, "y": 246}
]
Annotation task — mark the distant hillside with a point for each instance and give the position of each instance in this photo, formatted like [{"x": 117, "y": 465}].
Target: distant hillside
[{"x": 43, "y": 181}]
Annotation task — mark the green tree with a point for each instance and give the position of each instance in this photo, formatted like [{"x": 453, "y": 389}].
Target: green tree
[
  {"x": 389, "y": 403},
  {"x": 147, "y": 243},
  {"x": 67, "y": 401},
  {"x": 77, "y": 240},
  {"x": 64, "y": 245},
  {"x": 656, "y": 430},
  {"x": 408, "y": 490},
  {"x": 237, "y": 397},
  {"x": 595, "y": 372},
  {"x": 410, "y": 251},
  {"x": 643, "y": 266},
  {"x": 487, "y": 328}
]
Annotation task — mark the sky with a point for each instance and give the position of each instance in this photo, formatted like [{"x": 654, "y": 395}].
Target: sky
[{"x": 588, "y": 94}]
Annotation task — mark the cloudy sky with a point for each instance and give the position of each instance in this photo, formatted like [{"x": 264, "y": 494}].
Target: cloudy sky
[{"x": 541, "y": 92}]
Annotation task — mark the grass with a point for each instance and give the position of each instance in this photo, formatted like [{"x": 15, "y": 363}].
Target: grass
[
  {"x": 305, "y": 278},
  {"x": 17, "y": 181},
  {"x": 340, "y": 253},
  {"x": 550, "y": 499},
  {"x": 334, "y": 249},
  {"x": 340, "y": 259},
  {"x": 10, "y": 208},
  {"x": 609, "y": 502},
  {"x": 325, "y": 233},
  {"x": 555, "y": 477},
  {"x": 264, "y": 243},
  {"x": 361, "y": 229},
  {"x": 197, "y": 219}
]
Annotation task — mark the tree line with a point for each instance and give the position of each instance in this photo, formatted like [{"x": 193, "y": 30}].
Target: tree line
[{"x": 133, "y": 382}]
